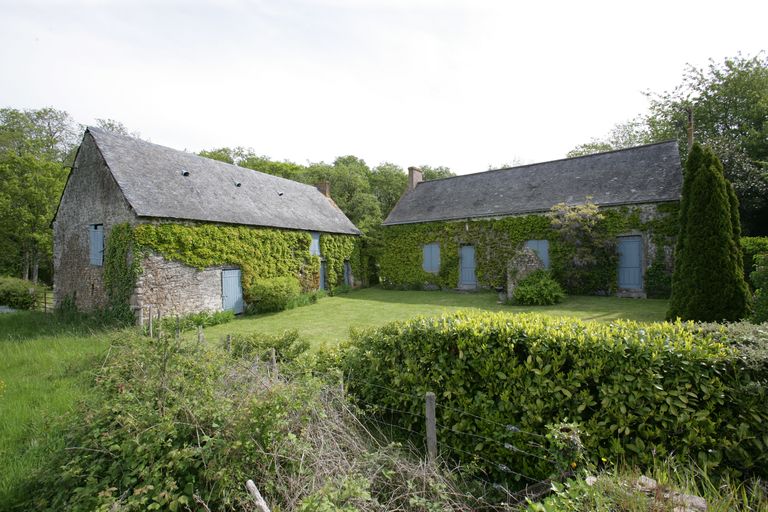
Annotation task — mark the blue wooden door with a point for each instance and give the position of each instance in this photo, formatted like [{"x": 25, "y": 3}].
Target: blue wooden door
[
  {"x": 231, "y": 291},
  {"x": 323, "y": 274},
  {"x": 467, "y": 277},
  {"x": 630, "y": 263}
]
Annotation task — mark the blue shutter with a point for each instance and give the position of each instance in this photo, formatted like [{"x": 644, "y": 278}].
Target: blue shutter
[
  {"x": 314, "y": 248},
  {"x": 96, "y": 244},
  {"x": 431, "y": 258},
  {"x": 347, "y": 273},
  {"x": 541, "y": 248}
]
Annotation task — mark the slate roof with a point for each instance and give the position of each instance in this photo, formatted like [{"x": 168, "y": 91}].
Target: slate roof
[
  {"x": 150, "y": 177},
  {"x": 642, "y": 174}
]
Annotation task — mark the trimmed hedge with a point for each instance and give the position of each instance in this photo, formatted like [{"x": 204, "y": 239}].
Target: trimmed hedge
[
  {"x": 639, "y": 391},
  {"x": 17, "y": 293}
]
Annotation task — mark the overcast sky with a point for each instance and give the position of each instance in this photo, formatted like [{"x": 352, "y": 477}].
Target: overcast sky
[{"x": 461, "y": 83}]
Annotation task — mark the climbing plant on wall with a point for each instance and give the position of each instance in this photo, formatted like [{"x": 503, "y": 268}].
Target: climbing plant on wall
[
  {"x": 336, "y": 249},
  {"x": 259, "y": 252},
  {"x": 496, "y": 240},
  {"x": 121, "y": 269}
]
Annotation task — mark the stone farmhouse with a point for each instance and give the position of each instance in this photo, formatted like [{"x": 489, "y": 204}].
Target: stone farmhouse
[
  {"x": 118, "y": 180},
  {"x": 462, "y": 232}
]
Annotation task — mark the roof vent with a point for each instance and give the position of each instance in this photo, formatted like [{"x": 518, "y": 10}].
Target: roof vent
[
  {"x": 184, "y": 172},
  {"x": 237, "y": 184},
  {"x": 280, "y": 193}
]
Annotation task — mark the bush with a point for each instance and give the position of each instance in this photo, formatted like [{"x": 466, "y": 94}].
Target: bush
[
  {"x": 17, "y": 293},
  {"x": 751, "y": 247},
  {"x": 288, "y": 346},
  {"x": 638, "y": 391},
  {"x": 275, "y": 294},
  {"x": 538, "y": 289},
  {"x": 193, "y": 320},
  {"x": 760, "y": 279},
  {"x": 179, "y": 427}
]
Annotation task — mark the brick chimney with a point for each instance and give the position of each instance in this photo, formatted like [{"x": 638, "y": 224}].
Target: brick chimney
[
  {"x": 325, "y": 188},
  {"x": 414, "y": 177}
]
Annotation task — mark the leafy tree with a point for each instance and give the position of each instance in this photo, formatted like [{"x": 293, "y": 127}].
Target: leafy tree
[
  {"x": 729, "y": 101},
  {"x": 730, "y": 107},
  {"x": 46, "y": 132},
  {"x": 436, "y": 173},
  {"x": 708, "y": 281},
  {"x": 111, "y": 125},
  {"x": 388, "y": 182},
  {"x": 30, "y": 188},
  {"x": 624, "y": 135}
]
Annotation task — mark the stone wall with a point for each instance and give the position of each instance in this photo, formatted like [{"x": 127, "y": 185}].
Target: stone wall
[
  {"x": 173, "y": 288},
  {"x": 91, "y": 197},
  {"x": 522, "y": 264}
]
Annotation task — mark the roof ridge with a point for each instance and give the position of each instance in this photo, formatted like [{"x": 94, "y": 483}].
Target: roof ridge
[{"x": 591, "y": 155}]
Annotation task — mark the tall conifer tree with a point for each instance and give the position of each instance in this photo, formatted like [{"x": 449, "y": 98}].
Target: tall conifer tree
[{"x": 708, "y": 283}]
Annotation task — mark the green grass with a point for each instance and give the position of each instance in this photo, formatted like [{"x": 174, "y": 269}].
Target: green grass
[
  {"x": 42, "y": 363},
  {"x": 329, "y": 321}
]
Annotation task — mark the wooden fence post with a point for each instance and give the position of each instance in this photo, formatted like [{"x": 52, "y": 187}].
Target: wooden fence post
[
  {"x": 178, "y": 327},
  {"x": 256, "y": 495},
  {"x": 273, "y": 356},
  {"x": 431, "y": 426},
  {"x": 229, "y": 343},
  {"x": 151, "y": 334},
  {"x": 200, "y": 335}
]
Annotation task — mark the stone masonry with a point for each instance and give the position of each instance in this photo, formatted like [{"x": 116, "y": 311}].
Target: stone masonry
[
  {"x": 172, "y": 288},
  {"x": 523, "y": 263},
  {"x": 91, "y": 197}
]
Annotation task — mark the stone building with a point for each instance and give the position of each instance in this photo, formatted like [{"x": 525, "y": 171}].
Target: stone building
[
  {"x": 117, "y": 180},
  {"x": 461, "y": 232}
]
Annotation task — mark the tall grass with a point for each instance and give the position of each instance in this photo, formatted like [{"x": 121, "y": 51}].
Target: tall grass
[{"x": 42, "y": 359}]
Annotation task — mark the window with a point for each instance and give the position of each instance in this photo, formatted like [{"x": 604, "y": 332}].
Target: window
[
  {"x": 541, "y": 248},
  {"x": 314, "y": 247},
  {"x": 431, "y": 261},
  {"x": 96, "y": 244}
]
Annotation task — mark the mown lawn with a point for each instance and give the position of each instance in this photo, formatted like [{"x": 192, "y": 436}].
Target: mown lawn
[{"x": 329, "y": 321}]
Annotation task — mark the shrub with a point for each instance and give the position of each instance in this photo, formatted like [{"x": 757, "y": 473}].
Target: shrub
[
  {"x": 275, "y": 294},
  {"x": 760, "y": 279},
  {"x": 538, "y": 289},
  {"x": 288, "y": 345},
  {"x": 638, "y": 391},
  {"x": 751, "y": 247},
  {"x": 193, "y": 320},
  {"x": 17, "y": 293},
  {"x": 708, "y": 280},
  {"x": 175, "y": 426}
]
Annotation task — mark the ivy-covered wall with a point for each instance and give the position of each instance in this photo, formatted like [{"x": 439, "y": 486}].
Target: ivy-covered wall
[
  {"x": 496, "y": 240},
  {"x": 258, "y": 252}
]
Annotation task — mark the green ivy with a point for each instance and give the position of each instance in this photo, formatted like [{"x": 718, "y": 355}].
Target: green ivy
[
  {"x": 121, "y": 269},
  {"x": 336, "y": 249},
  {"x": 258, "y": 252},
  {"x": 495, "y": 240}
]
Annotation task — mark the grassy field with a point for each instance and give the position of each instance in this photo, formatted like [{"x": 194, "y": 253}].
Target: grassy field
[
  {"x": 44, "y": 362},
  {"x": 329, "y": 321}
]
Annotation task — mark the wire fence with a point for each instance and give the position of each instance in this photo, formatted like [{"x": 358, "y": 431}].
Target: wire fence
[{"x": 496, "y": 472}]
